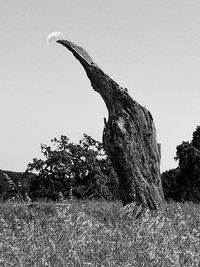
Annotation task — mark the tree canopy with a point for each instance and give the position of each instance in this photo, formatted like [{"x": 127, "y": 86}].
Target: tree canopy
[
  {"x": 83, "y": 167},
  {"x": 183, "y": 183}
]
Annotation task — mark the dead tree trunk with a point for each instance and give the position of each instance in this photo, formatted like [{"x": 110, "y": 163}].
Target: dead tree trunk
[{"x": 129, "y": 137}]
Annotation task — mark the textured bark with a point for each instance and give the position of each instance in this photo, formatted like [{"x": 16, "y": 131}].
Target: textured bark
[{"x": 129, "y": 137}]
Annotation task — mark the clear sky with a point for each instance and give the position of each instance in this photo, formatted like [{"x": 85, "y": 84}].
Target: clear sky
[{"x": 150, "y": 47}]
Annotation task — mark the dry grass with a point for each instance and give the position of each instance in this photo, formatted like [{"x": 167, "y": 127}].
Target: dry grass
[{"x": 97, "y": 234}]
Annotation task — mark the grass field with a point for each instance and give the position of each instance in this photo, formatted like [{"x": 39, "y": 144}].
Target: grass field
[{"x": 98, "y": 234}]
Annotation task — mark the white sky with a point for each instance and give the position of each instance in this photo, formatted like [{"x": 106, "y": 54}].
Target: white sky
[{"x": 150, "y": 47}]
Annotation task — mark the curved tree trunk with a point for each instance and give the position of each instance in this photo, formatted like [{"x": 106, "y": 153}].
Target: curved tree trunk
[{"x": 129, "y": 137}]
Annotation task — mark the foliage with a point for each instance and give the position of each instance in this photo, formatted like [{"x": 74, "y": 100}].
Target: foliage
[
  {"x": 170, "y": 184},
  {"x": 183, "y": 183},
  {"x": 95, "y": 233},
  {"x": 13, "y": 184},
  {"x": 188, "y": 156},
  {"x": 84, "y": 167}
]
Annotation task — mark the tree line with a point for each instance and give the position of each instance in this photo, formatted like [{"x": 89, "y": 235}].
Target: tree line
[{"x": 86, "y": 170}]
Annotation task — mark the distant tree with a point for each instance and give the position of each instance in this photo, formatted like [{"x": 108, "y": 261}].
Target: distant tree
[
  {"x": 13, "y": 184},
  {"x": 170, "y": 182},
  {"x": 84, "y": 167},
  {"x": 196, "y": 138},
  {"x": 183, "y": 183},
  {"x": 188, "y": 156}
]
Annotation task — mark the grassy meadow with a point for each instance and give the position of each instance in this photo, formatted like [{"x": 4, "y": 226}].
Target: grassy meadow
[{"x": 98, "y": 233}]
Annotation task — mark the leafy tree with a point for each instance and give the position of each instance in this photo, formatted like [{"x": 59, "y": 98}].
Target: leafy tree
[
  {"x": 183, "y": 183},
  {"x": 84, "y": 167},
  {"x": 196, "y": 138},
  {"x": 188, "y": 155},
  {"x": 170, "y": 182}
]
